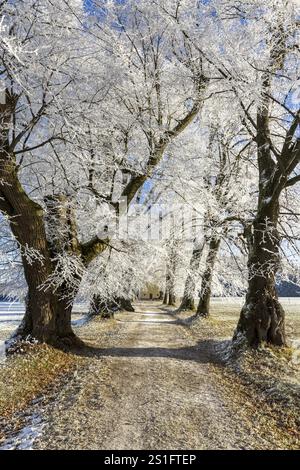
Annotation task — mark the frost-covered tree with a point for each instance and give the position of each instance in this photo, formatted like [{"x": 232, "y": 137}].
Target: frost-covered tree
[
  {"x": 36, "y": 75},
  {"x": 256, "y": 60},
  {"x": 86, "y": 115},
  {"x": 267, "y": 79}
]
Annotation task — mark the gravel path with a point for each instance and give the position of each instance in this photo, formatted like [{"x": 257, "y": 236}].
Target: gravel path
[{"x": 145, "y": 384}]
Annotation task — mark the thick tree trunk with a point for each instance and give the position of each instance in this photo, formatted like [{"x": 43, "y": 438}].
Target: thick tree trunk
[
  {"x": 170, "y": 276},
  {"x": 262, "y": 316},
  {"x": 171, "y": 288},
  {"x": 167, "y": 288},
  {"x": 205, "y": 293},
  {"x": 124, "y": 304},
  {"x": 172, "y": 299},
  {"x": 39, "y": 320},
  {"x": 47, "y": 317},
  {"x": 188, "y": 302},
  {"x": 105, "y": 309},
  {"x": 62, "y": 302}
]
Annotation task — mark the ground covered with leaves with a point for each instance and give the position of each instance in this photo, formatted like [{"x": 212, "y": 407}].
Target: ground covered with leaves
[{"x": 27, "y": 375}]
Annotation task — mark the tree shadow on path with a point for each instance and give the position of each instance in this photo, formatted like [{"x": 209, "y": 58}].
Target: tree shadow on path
[{"x": 204, "y": 351}]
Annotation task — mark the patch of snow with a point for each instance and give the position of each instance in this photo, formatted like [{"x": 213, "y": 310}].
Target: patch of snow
[
  {"x": 80, "y": 321},
  {"x": 295, "y": 343},
  {"x": 24, "y": 439},
  {"x": 2, "y": 352},
  {"x": 267, "y": 200}
]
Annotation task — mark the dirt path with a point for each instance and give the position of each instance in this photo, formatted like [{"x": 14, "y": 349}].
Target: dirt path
[{"x": 149, "y": 387}]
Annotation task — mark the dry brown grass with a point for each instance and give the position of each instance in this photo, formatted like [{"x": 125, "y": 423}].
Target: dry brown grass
[
  {"x": 23, "y": 377},
  {"x": 269, "y": 376}
]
